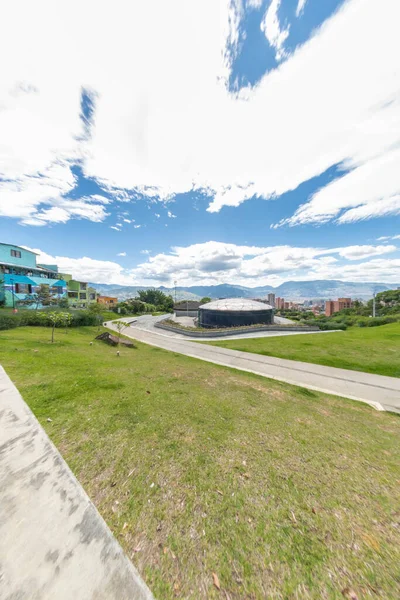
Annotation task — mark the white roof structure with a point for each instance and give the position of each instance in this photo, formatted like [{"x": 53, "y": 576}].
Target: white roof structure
[{"x": 236, "y": 304}]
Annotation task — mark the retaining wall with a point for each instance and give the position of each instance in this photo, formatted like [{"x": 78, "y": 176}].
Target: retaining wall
[{"x": 234, "y": 331}]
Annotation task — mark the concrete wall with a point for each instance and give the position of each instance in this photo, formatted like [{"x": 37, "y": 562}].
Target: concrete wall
[
  {"x": 207, "y": 333},
  {"x": 54, "y": 545}
]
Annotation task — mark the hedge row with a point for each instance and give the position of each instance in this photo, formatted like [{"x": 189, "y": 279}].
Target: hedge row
[{"x": 33, "y": 319}]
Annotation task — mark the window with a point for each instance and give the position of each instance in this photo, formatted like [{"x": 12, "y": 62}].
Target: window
[
  {"x": 111, "y": 301},
  {"x": 23, "y": 288},
  {"x": 92, "y": 296},
  {"x": 83, "y": 286},
  {"x": 72, "y": 294},
  {"x": 54, "y": 290},
  {"x": 82, "y": 296},
  {"x": 16, "y": 253}
]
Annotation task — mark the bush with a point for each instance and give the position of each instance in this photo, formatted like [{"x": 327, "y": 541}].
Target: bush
[{"x": 9, "y": 321}]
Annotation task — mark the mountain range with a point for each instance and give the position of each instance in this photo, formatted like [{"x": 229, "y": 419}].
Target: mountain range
[{"x": 290, "y": 290}]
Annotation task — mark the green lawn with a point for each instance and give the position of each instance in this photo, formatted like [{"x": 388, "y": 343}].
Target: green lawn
[
  {"x": 369, "y": 349},
  {"x": 198, "y": 469}
]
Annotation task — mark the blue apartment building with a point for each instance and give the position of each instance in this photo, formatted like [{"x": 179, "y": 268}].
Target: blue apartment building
[{"x": 21, "y": 276}]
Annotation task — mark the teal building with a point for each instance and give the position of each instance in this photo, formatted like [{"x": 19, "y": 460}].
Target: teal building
[{"x": 21, "y": 276}]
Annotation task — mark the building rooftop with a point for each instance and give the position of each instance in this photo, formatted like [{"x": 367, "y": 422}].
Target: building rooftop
[
  {"x": 236, "y": 304},
  {"x": 22, "y": 248}
]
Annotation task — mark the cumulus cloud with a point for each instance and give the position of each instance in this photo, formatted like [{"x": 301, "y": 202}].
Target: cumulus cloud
[
  {"x": 216, "y": 262},
  {"x": 85, "y": 268},
  {"x": 301, "y": 119},
  {"x": 121, "y": 254}
]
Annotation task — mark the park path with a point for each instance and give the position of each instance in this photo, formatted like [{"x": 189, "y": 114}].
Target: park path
[{"x": 379, "y": 391}]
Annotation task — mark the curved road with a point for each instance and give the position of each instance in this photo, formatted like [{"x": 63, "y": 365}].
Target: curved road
[{"x": 383, "y": 393}]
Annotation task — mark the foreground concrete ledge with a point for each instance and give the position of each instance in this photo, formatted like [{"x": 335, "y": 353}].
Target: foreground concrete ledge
[{"x": 54, "y": 545}]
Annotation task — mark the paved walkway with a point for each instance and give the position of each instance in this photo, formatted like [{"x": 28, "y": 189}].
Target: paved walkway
[
  {"x": 147, "y": 323},
  {"x": 54, "y": 545},
  {"x": 381, "y": 392}
]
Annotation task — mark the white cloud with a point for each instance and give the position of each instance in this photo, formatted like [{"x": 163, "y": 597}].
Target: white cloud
[
  {"x": 300, "y": 7},
  {"x": 127, "y": 220},
  {"x": 385, "y": 238},
  {"x": 137, "y": 226},
  {"x": 302, "y": 118},
  {"x": 171, "y": 215},
  {"x": 273, "y": 31},
  {"x": 215, "y": 262},
  {"x": 121, "y": 254},
  {"x": 85, "y": 268},
  {"x": 359, "y": 252},
  {"x": 116, "y": 228},
  {"x": 157, "y": 215},
  {"x": 370, "y": 190}
]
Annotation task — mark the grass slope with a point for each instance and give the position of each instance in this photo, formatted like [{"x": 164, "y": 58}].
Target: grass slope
[
  {"x": 199, "y": 469},
  {"x": 368, "y": 349}
]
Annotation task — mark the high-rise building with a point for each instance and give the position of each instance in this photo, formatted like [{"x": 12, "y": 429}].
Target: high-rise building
[
  {"x": 334, "y": 306},
  {"x": 271, "y": 300}
]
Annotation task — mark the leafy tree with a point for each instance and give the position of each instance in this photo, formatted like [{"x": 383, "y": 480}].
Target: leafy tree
[
  {"x": 41, "y": 297},
  {"x": 156, "y": 297},
  {"x": 55, "y": 319},
  {"x": 205, "y": 300}
]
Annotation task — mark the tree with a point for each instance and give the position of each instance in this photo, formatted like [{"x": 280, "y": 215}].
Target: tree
[
  {"x": 55, "y": 319},
  {"x": 67, "y": 320},
  {"x": 120, "y": 327},
  {"x": 156, "y": 297},
  {"x": 41, "y": 297},
  {"x": 63, "y": 302},
  {"x": 205, "y": 300}
]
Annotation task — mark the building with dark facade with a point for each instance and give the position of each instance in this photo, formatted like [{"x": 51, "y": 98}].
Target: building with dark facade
[{"x": 235, "y": 312}]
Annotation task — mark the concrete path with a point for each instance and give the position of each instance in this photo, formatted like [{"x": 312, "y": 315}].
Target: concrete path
[
  {"x": 381, "y": 392},
  {"x": 54, "y": 545},
  {"x": 147, "y": 323}
]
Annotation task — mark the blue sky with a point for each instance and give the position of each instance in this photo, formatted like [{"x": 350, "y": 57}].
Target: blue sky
[{"x": 248, "y": 142}]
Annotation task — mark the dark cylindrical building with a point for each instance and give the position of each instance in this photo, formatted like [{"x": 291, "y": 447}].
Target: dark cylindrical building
[{"x": 235, "y": 312}]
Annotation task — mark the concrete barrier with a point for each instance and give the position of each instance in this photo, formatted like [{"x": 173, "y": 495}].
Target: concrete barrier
[
  {"x": 234, "y": 331},
  {"x": 54, "y": 545}
]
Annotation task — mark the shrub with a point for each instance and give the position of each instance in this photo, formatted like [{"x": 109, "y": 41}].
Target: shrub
[{"x": 9, "y": 321}]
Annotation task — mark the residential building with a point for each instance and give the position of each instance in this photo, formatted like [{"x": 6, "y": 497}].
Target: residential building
[
  {"x": 334, "y": 306},
  {"x": 107, "y": 300},
  {"x": 279, "y": 303},
  {"x": 79, "y": 294},
  {"x": 21, "y": 276},
  {"x": 271, "y": 300}
]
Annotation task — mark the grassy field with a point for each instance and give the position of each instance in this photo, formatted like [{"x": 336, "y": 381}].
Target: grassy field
[
  {"x": 368, "y": 349},
  {"x": 280, "y": 492}
]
